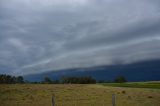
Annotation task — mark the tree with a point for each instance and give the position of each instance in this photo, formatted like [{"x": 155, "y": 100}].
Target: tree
[
  {"x": 120, "y": 79},
  {"x": 8, "y": 79},
  {"x": 47, "y": 80},
  {"x": 78, "y": 80},
  {"x": 20, "y": 79}
]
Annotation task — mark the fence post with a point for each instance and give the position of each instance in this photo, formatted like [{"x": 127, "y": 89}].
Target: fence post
[
  {"x": 113, "y": 100},
  {"x": 53, "y": 102}
]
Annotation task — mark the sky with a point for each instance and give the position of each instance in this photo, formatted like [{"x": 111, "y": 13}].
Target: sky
[{"x": 41, "y": 35}]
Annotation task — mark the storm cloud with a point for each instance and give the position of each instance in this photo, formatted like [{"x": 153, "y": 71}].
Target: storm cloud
[{"x": 42, "y": 35}]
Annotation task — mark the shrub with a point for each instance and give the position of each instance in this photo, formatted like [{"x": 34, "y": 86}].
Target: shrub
[
  {"x": 123, "y": 92},
  {"x": 150, "y": 96},
  {"x": 120, "y": 79}
]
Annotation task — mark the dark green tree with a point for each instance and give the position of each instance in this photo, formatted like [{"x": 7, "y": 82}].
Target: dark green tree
[
  {"x": 78, "y": 80},
  {"x": 20, "y": 79},
  {"x": 8, "y": 79},
  {"x": 120, "y": 79},
  {"x": 47, "y": 80}
]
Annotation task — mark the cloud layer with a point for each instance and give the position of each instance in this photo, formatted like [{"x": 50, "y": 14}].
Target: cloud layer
[{"x": 38, "y": 35}]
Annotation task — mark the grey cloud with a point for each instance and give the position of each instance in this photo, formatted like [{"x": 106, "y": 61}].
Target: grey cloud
[
  {"x": 39, "y": 35},
  {"x": 127, "y": 33}
]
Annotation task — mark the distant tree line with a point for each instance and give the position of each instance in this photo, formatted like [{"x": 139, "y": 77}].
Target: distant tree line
[
  {"x": 8, "y": 79},
  {"x": 82, "y": 80},
  {"x": 78, "y": 80},
  {"x": 71, "y": 80},
  {"x": 118, "y": 79}
]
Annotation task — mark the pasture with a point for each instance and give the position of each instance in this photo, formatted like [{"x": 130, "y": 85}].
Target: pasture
[
  {"x": 76, "y": 95},
  {"x": 153, "y": 85}
]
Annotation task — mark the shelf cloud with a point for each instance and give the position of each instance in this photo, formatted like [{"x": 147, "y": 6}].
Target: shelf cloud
[{"x": 42, "y": 35}]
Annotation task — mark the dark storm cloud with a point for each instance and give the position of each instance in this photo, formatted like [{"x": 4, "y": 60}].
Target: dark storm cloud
[{"x": 55, "y": 34}]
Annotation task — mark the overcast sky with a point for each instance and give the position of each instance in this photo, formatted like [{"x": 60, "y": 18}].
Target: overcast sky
[{"x": 42, "y": 35}]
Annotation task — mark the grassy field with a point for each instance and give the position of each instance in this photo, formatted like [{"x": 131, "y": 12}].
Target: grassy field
[
  {"x": 76, "y": 95},
  {"x": 155, "y": 85}
]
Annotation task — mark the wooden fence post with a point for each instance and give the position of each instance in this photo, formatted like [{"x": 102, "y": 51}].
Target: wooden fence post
[
  {"x": 113, "y": 100},
  {"x": 53, "y": 102}
]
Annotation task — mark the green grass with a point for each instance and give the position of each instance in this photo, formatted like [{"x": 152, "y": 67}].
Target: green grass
[
  {"x": 155, "y": 85},
  {"x": 75, "y": 95}
]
